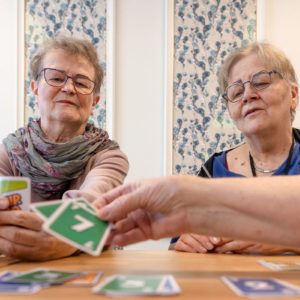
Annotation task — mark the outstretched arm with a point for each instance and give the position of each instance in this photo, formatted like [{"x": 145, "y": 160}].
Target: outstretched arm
[{"x": 260, "y": 209}]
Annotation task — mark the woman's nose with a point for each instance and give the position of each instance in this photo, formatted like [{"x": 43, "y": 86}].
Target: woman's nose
[
  {"x": 69, "y": 86},
  {"x": 249, "y": 92}
]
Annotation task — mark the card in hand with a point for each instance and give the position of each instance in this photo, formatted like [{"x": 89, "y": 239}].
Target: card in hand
[
  {"x": 133, "y": 285},
  {"x": 76, "y": 223},
  {"x": 261, "y": 287},
  {"x": 45, "y": 209},
  {"x": 280, "y": 265}
]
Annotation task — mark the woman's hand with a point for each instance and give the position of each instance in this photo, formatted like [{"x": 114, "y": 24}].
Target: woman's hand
[
  {"x": 21, "y": 236},
  {"x": 243, "y": 247},
  {"x": 144, "y": 209},
  {"x": 195, "y": 243},
  {"x": 191, "y": 242}
]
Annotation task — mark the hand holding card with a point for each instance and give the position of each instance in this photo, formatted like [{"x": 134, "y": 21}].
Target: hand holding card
[
  {"x": 75, "y": 222},
  {"x": 17, "y": 191}
]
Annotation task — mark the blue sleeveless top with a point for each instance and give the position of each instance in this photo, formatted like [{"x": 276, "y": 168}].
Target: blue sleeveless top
[{"x": 219, "y": 165}]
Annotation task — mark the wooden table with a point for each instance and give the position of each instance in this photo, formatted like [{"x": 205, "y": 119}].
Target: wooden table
[{"x": 198, "y": 275}]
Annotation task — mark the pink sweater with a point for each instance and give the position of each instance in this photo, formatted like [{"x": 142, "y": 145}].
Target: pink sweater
[{"x": 104, "y": 171}]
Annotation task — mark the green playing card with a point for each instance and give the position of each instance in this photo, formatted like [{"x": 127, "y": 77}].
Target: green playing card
[
  {"x": 47, "y": 208},
  {"x": 76, "y": 223},
  {"x": 130, "y": 285},
  {"x": 44, "y": 275}
]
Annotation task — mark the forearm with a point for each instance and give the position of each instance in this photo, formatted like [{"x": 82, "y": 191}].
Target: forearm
[
  {"x": 260, "y": 209},
  {"x": 104, "y": 171}
]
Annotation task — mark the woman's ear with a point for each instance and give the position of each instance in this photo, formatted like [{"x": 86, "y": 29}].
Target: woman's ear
[
  {"x": 295, "y": 96},
  {"x": 34, "y": 87},
  {"x": 96, "y": 100}
]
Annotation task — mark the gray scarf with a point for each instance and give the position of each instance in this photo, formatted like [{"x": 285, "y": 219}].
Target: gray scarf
[{"x": 52, "y": 166}]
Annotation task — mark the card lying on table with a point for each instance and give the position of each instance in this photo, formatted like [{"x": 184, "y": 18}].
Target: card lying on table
[
  {"x": 280, "y": 265},
  {"x": 134, "y": 285},
  {"x": 261, "y": 287},
  {"x": 75, "y": 222},
  {"x": 16, "y": 287},
  {"x": 43, "y": 276},
  {"x": 86, "y": 279}
]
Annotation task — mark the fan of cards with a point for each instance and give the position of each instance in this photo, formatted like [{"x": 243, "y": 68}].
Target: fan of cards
[
  {"x": 74, "y": 221},
  {"x": 30, "y": 282}
]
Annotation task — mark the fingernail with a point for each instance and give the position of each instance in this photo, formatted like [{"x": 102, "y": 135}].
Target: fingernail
[
  {"x": 103, "y": 213},
  {"x": 215, "y": 239},
  {"x": 209, "y": 246}
]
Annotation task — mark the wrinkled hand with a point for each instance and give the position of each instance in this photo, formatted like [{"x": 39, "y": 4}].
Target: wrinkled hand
[
  {"x": 244, "y": 247},
  {"x": 143, "y": 209},
  {"x": 195, "y": 243},
  {"x": 21, "y": 236}
]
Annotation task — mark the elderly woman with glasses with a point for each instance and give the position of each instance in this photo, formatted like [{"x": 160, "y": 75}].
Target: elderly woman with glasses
[
  {"x": 260, "y": 88},
  {"x": 62, "y": 154}
]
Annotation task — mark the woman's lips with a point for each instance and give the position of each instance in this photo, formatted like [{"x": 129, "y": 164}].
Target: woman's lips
[
  {"x": 67, "y": 102},
  {"x": 251, "y": 111}
]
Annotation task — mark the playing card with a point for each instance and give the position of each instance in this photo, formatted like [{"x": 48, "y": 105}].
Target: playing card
[
  {"x": 133, "y": 285},
  {"x": 45, "y": 209},
  {"x": 19, "y": 288},
  {"x": 86, "y": 279},
  {"x": 17, "y": 190},
  {"x": 75, "y": 222},
  {"x": 43, "y": 275},
  {"x": 280, "y": 265},
  {"x": 261, "y": 287},
  {"x": 5, "y": 275}
]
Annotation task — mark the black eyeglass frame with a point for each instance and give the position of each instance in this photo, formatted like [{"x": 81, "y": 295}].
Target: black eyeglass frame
[
  {"x": 225, "y": 96},
  {"x": 67, "y": 78}
]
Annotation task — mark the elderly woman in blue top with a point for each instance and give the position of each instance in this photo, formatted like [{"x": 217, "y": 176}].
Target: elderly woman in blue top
[{"x": 260, "y": 88}]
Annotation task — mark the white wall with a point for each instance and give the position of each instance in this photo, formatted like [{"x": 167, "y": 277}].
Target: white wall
[
  {"x": 9, "y": 70},
  {"x": 139, "y": 84},
  {"x": 281, "y": 27}
]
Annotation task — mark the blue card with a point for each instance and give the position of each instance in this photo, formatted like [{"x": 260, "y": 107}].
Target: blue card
[
  {"x": 18, "y": 288},
  {"x": 261, "y": 287}
]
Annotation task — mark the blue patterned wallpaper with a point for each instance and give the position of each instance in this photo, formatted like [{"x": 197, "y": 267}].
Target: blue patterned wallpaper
[
  {"x": 78, "y": 18},
  {"x": 205, "y": 32}
]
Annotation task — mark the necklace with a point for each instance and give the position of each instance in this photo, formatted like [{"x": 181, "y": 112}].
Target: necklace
[
  {"x": 254, "y": 168},
  {"x": 265, "y": 171}
]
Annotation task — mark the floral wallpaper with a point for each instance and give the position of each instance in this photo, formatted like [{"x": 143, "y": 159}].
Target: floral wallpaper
[
  {"x": 205, "y": 32},
  {"x": 78, "y": 18}
]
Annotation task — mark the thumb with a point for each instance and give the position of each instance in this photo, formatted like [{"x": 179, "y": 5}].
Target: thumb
[{"x": 120, "y": 203}]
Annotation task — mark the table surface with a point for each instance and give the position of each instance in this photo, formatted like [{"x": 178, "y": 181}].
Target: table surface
[{"x": 198, "y": 275}]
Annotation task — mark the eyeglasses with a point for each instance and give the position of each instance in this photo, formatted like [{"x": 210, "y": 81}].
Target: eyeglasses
[
  {"x": 58, "y": 78},
  {"x": 259, "y": 81}
]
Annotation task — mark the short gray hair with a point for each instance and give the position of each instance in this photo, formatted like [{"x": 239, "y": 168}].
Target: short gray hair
[
  {"x": 268, "y": 54},
  {"x": 73, "y": 46}
]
